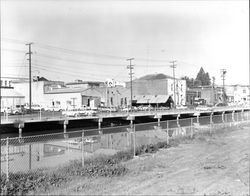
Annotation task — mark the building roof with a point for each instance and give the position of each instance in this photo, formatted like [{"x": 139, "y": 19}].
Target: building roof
[
  {"x": 155, "y": 77},
  {"x": 84, "y": 82},
  {"x": 10, "y": 93},
  {"x": 65, "y": 90}
]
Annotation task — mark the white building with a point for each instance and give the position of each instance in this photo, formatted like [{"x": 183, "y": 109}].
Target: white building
[
  {"x": 239, "y": 94},
  {"x": 11, "y": 98},
  {"x": 75, "y": 95}
]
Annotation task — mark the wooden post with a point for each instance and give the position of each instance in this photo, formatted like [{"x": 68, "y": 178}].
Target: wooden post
[
  {"x": 242, "y": 115},
  {"x": 7, "y": 158},
  {"x": 233, "y": 116},
  {"x": 222, "y": 117},
  {"x": 82, "y": 148},
  {"x": 167, "y": 133},
  {"x": 65, "y": 122},
  {"x": 134, "y": 140},
  {"x": 20, "y": 131},
  {"x": 29, "y": 156},
  {"x": 192, "y": 131}
]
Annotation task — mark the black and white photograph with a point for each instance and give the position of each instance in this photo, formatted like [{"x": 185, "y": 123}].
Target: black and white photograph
[{"x": 125, "y": 97}]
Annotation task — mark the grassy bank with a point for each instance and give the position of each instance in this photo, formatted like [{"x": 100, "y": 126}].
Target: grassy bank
[{"x": 103, "y": 166}]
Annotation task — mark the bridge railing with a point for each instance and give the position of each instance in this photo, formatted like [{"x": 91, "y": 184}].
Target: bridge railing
[{"x": 32, "y": 153}]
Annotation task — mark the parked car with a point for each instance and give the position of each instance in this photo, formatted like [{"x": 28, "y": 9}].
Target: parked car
[
  {"x": 220, "y": 105},
  {"x": 90, "y": 112},
  {"x": 51, "y": 109},
  {"x": 203, "y": 108},
  {"x": 74, "y": 112},
  {"x": 34, "y": 107},
  {"x": 181, "y": 107}
]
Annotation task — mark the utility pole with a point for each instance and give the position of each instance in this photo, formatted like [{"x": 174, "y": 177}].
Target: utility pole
[
  {"x": 214, "y": 90},
  {"x": 29, "y": 59},
  {"x": 223, "y": 73},
  {"x": 174, "y": 66},
  {"x": 131, "y": 67}
]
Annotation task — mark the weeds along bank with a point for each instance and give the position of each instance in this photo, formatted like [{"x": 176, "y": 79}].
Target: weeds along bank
[{"x": 47, "y": 178}]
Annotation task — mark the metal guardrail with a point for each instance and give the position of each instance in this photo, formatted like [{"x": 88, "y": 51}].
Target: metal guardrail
[{"x": 6, "y": 119}]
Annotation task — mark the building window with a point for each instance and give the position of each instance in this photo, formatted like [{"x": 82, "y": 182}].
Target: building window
[
  {"x": 125, "y": 100},
  {"x": 1, "y": 83},
  {"x": 111, "y": 100},
  {"x": 172, "y": 87},
  {"x": 121, "y": 101},
  {"x": 9, "y": 83},
  {"x": 58, "y": 103},
  {"x": 244, "y": 90},
  {"x": 69, "y": 102},
  {"x": 5, "y": 82}
]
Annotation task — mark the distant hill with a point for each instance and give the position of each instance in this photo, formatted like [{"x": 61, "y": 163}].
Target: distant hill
[{"x": 154, "y": 77}]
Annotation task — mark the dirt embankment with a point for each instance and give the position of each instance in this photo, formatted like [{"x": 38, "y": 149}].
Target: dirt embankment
[{"x": 207, "y": 165}]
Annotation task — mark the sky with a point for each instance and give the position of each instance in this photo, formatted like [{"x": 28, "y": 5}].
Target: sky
[{"x": 92, "y": 40}]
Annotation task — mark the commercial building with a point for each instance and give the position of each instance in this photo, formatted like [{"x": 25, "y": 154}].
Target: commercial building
[
  {"x": 10, "y": 98},
  {"x": 73, "y": 95},
  {"x": 160, "y": 85},
  {"x": 239, "y": 94},
  {"x": 210, "y": 94}
]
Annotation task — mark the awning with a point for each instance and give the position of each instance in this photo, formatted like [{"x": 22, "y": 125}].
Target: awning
[{"x": 152, "y": 99}]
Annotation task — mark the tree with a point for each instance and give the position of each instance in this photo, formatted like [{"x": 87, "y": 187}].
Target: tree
[
  {"x": 202, "y": 79},
  {"x": 189, "y": 81}
]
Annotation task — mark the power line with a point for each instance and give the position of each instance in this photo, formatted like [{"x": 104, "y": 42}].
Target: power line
[
  {"x": 131, "y": 67},
  {"x": 70, "y": 70}
]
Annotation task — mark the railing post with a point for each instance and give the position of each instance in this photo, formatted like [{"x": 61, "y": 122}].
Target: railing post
[
  {"x": 233, "y": 116},
  {"x": 65, "y": 122},
  {"x": 222, "y": 117},
  {"x": 130, "y": 130},
  {"x": 134, "y": 140},
  {"x": 192, "y": 131},
  {"x": 99, "y": 126},
  {"x": 82, "y": 148},
  {"x": 242, "y": 115},
  {"x": 7, "y": 158},
  {"x": 30, "y": 156},
  {"x": 159, "y": 121},
  {"x": 211, "y": 122},
  {"x": 167, "y": 133},
  {"x": 111, "y": 141},
  {"x": 178, "y": 124},
  {"x": 19, "y": 131}
]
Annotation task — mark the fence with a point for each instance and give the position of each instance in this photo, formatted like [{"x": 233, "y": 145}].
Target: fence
[{"x": 52, "y": 150}]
